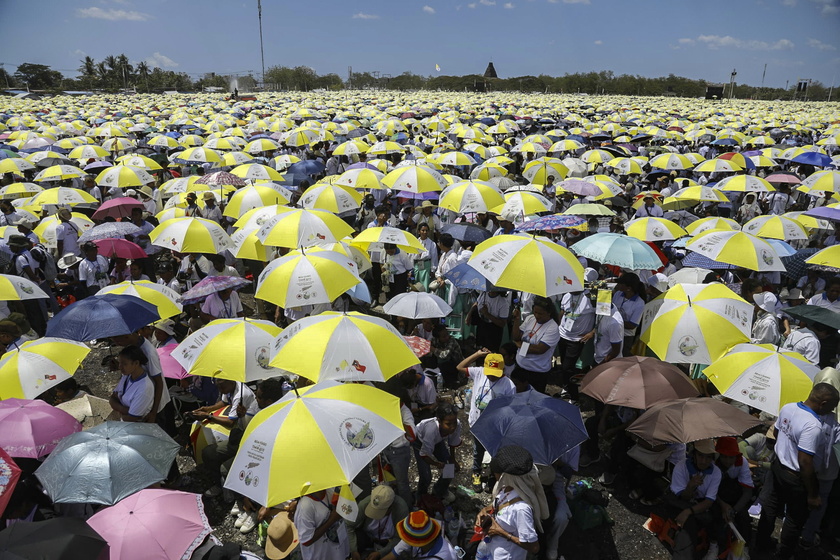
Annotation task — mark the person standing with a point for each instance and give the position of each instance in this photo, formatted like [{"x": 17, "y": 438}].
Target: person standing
[
  {"x": 323, "y": 534},
  {"x": 792, "y": 488},
  {"x": 66, "y": 234},
  {"x": 536, "y": 337}
]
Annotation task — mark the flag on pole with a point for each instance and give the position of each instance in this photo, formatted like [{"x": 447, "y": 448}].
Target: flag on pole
[
  {"x": 437, "y": 67},
  {"x": 347, "y": 506}
]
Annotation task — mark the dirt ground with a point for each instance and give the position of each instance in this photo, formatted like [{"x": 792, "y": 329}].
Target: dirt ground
[{"x": 623, "y": 539}]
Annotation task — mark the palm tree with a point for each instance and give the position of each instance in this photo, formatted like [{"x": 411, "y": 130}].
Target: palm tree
[
  {"x": 143, "y": 72},
  {"x": 88, "y": 71},
  {"x": 102, "y": 74}
]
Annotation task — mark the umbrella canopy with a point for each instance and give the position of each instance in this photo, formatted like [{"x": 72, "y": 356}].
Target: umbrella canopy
[
  {"x": 545, "y": 426},
  {"x": 120, "y": 248},
  {"x": 394, "y": 236},
  {"x": 417, "y": 305},
  {"x": 211, "y": 285},
  {"x": 471, "y": 196},
  {"x": 60, "y": 538},
  {"x": 153, "y": 524},
  {"x": 110, "y": 230},
  {"x": 637, "y": 382},
  {"x": 588, "y": 210},
  {"x": 619, "y": 250},
  {"x": 107, "y": 463},
  {"x": 815, "y": 314},
  {"x": 102, "y": 316},
  {"x": 235, "y": 349},
  {"x": 322, "y": 436},
  {"x": 828, "y": 257},
  {"x": 35, "y": 366},
  {"x": 688, "y": 275},
  {"x": 698, "y": 323},
  {"x": 171, "y": 368},
  {"x": 343, "y": 347},
  {"x": 191, "y": 235},
  {"x": 554, "y": 222},
  {"x": 32, "y": 428},
  {"x": 531, "y": 264},
  {"x": 166, "y": 300},
  {"x": 691, "y": 419},
  {"x": 762, "y": 376},
  {"x": 654, "y": 229},
  {"x": 419, "y": 345},
  {"x": 9, "y": 475},
  {"x": 737, "y": 248},
  {"x": 18, "y": 288},
  {"x": 332, "y": 198},
  {"x": 776, "y": 227},
  {"x": 303, "y": 228},
  {"x": 88, "y": 410},
  {"x": 119, "y": 207},
  {"x": 307, "y": 279},
  {"x": 707, "y": 224},
  {"x": 467, "y": 232}
]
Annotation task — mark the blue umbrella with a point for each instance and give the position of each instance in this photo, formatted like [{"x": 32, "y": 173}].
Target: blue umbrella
[
  {"x": 466, "y": 277},
  {"x": 702, "y": 261},
  {"x": 102, "y": 316},
  {"x": 618, "y": 250},
  {"x": 467, "y": 232},
  {"x": 813, "y": 158},
  {"x": 545, "y": 426},
  {"x": 307, "y": 167}
]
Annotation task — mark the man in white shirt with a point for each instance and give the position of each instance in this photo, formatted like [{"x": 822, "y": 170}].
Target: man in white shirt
[
  {"x": 806, "y": 342},
  {"x": 211, "y": 211},
  {"x": 93, "y": 270},
  {"x": 830, "y": 298},
  {"x": 66, "y": 234},
  {"x": 649, "y": 209},
  {"x": 397, "y": 266},
  {"x": 795, "y": 489},
  {"x": 609, "y": 335},
  {"x": 222, "y": 305}
]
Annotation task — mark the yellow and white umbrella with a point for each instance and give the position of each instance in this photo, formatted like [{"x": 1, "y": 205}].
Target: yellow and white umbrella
[
  {"x": 234, "y": 349},
  {"x": 261, "y": 145},
  {"x": 191, "y": 235},
  {"x": 745, "y": 183},
  {"x": 165, "y": 299},
  {"x": 529, "y": 264},
  {"x": 124, "y": 176},
  {"x": 255, "y": 196},
  {"x": 302, "y": 228},
  {"x": 775, "y": 227},
  {"x": 46, "y": 229},
  {"x": 246, "y": 245},
  {"x": 302, "y": 279},
  {"x": 35, "y": 366},
  {"x": 471, "y": 196},
  {"x": 762, "y": 376},
  {"x": 17, "y": 288},
  {"x": 829, "y": 257},
  {"x": 59, "y": 173},
  {"x": 737, "y": 248},
  {"x": 332, "y": 198},
  {"x": 388, "y": 235},
  {"x": 314, "y": 438},
  {"x": 88, "y": 151},
  {"x": 825, "y": 181},
  {"x": 15, "y": 166},
  {"x": 342, "y": 347},
  {"x": 671, "y": 161},
  {"x": 717, "y": 166},
  {"x": 654, "y": 229},
  {"x": 520, "y": 204},
  {"x": 698, "y": 323},
  {"x": 62, "y": 196},
  {"x": 361, "y": 178},
  {"x": 359, "y": 256},
  {"x": 140, "y": 161},
  {"x": 182, "y": 185},
  {"x": 538, "y": 171},
  {"x": 488, "y": 171},
  {"x": 256, "y": 172},
  {"x": 707, "y": 224},
  {"x": 415, "y": 179},
  {"x": 258, "y": 216},
  {"x": 20, "y": 190}
]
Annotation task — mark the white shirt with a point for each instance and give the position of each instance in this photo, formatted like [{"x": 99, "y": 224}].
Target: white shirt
[
  {"x": 311, "y": 514},
  {"x": 409, "y": 427},
  {"x": 821, "y": 300},
  {"x": 138, "y": 395},
  {"x": 708, "y": 488},
  {"x": 398, "y": 263},
  {"x": 609, "y": 330},
  {"x": 652, "y": 212},
  {"x": 154, "y": 369},
  {"x": 630, "y": 309},
  {"x": 806, "y": 343},
  {"x": 93, "y": 273},
  {"x": 578, "y": 316},
  {"x": 214, "y": 214},
  {"x": 69, "y": 234},
  {"x": 766, "y": 329},
  {"x": 428, "y": 432},
  {"x": 741, "y": 473},
  {"x": 800, "y": 429},
  {"x": 172, "y": 284},
  {"x": 424, "y": 393},
  {"x": 518, "y": 520},
  {"x": 498, "y": 306},
  {"x": 778, "y": 202},
  {"x": 440, "y": 550},
  {"x": 548, "y": 333},
  {"x": 485, "y": 389},
  {"x": 229, "y": 309},
  {"x": 430, "y": 253},
  {"x": 244, "y": 395}
]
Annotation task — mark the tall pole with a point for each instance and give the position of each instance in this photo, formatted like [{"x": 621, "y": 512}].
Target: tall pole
[
  {"x": 262, "y": 53},
  {"x": 832, "y": 87}
]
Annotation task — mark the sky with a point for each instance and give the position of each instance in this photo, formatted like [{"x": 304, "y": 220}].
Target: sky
[{"x": 796, "y": 39}]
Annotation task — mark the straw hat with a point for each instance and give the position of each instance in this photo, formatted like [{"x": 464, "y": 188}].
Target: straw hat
[
  {"x": 705, "y": 446},
  {"x": 282, "y": 537},
  {"x": 208, "y": 196},
  {"x": 68, "y": 260}
]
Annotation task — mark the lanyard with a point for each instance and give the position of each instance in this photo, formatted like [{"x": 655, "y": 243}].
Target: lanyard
[
  {"x": 535, "y": 330},
  {"x": 487, "y": 391}
]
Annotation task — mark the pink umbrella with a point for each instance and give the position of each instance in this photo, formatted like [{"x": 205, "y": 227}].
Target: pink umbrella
[
  {"x": 152, "y": 524},
  {"x": 32, "y": 428},
  {"x": 121, "y": 248},
  {"x": 787, "y": 178},
  {"x": 117, "y": 208},
  {"x": 9, "y": 475},
  {"x": 171, "y": 368}
]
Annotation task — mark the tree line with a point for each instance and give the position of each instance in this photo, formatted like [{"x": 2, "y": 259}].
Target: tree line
[{"x": 115, "y": 73}]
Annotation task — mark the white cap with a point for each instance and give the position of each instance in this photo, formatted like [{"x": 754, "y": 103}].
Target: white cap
[{"x": 768, "y": 302}]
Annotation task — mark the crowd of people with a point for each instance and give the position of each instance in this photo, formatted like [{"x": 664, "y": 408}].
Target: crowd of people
[{"x": 496, "y": 342}]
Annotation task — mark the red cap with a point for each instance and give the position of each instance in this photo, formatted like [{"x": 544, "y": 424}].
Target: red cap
[{"x": 727, "y": 446}]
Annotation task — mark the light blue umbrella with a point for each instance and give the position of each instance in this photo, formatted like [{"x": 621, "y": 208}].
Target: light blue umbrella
[
  {"x": 106, "y": 463},
  {"x": 618, "y": 250}
]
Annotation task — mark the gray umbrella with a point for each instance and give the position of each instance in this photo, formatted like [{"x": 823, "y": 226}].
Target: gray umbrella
[
  {"x": 106, "y": 463},
  {"x": 109, "y": 230}
]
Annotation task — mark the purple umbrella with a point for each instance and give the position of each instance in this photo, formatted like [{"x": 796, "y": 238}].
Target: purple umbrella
[
  {"x": 211, "y": 285},
  {"x": 579, "y": 187},
  {"x": 552, "y": 223},
  {"x": 825, "y": 213},
  {"x": 32, "y": 428}
]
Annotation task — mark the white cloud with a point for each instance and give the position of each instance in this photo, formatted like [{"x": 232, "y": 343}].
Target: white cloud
[
  {"x": 599, "y": 42},
  {"x": 472, "y": 5},
  {"x": 111, "y": 14},
  {"x": 509, "y": 5},
  {"x": 428, "y": 9},
  {"x": 728, "y": 42},
  {"x": 79, "y": 52},
  {"x": 362, "y": 15},
  {"x": 158, "y": 60},
  {"x": 487, "y": 2},
  {"x": 819, "y": 45}
]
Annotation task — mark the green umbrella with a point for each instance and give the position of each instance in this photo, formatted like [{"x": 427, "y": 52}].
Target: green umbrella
[{"x": 815, "y": 314}]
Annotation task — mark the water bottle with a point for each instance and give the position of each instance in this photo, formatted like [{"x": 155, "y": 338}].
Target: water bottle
[
  {"x": 483, "y": 550},
  {"x": 468, "y": 398},
  {"x": 439, "y": 382}
]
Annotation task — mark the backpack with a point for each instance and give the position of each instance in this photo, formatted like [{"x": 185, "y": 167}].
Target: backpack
[{"x": 46, "y": 261}]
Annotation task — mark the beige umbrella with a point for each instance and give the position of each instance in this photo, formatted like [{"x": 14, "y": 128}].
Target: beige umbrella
[{"x": 90, "y": 411}]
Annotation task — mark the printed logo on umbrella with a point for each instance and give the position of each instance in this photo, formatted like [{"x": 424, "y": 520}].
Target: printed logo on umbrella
[
  {"x": 25, "y": 289},
  {"x": 356, "y": 433},
  {"x": 688, "y": 346},
  {"x": 767, "y": 257}
]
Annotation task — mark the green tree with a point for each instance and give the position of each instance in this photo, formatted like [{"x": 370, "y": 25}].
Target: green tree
[{"x": 38, "y": 76}]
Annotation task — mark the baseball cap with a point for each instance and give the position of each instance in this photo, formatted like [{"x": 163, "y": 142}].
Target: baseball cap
[{"x": 494, "y": 365}]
